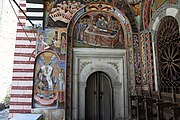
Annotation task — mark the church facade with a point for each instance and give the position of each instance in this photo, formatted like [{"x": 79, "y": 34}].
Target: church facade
[{"x": 91, "y": 56}]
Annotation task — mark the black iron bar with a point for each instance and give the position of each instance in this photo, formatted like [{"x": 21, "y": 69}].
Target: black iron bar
[{"x": 23, "y": 12}]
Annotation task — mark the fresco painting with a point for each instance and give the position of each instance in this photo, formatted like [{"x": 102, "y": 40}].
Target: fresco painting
[
  {"x": 61, "y": 87},
  {"x": 137, "y": 60},
  {"x": 63, "y": 43},
  {"x": 46, "y": 80},
  {"x": 94, "y": 25},
  {"x": 61, "y": 13},
  {"x": 63, "y": 10},
  {"x": 46, "y": 40},
  {"x": 49, "y": 81},
  {"x": 97, "y": 25},
  {"x": 136, "y": 8},
  {"x": 99, "y": 29},
  {"x": 52, "y": 39},
  {"x": 48, "y": 5}
]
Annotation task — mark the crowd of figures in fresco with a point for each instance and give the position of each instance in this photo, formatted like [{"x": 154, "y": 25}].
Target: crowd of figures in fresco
[
  {"x": 64, "y": 10},
  {"x": 104, "y": 27}
]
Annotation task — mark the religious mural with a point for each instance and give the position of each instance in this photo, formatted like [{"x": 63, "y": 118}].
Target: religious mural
[
  {"x": 61, "y": 13},
  {"x": 49, "y": 87},
  {"x": 115, "y": 24},
  {"x": 136, "y": 8},
  {"x": 46, "y": 80},
  {"x": 61, "y": 87},
  {"x": 101, "y": 25},
  {"x": 99, "y": 29},
  {"x": 52, "y": 39}
]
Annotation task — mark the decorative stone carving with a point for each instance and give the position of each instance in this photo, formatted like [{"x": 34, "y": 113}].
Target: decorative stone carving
[
  {"x": 115, "y": 65},
  {"x": 83, "y": 65}
]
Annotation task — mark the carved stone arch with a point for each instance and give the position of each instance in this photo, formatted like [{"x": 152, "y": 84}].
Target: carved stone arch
[
  {"x": 92, "y": 68},
  {"x": 164, "y": 13}
]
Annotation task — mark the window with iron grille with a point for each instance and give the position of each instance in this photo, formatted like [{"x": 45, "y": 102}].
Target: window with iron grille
[{"x": 168, "y": 48}]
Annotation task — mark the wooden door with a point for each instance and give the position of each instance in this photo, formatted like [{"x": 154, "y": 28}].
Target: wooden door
[{"x": 98, "y": 101}]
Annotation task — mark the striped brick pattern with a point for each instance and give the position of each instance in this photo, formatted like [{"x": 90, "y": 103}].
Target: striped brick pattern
[
  {"x": 34, "y": 11},
  {"x": 22, "y": 81}
]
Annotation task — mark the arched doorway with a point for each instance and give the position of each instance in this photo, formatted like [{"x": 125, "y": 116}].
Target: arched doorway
[
  {"x": 99, "y": 38},
  {"x": 98, "y": 97},
  {"x": 113, "y": 63}
]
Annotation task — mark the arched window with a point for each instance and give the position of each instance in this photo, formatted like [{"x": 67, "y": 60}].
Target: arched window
[{"x": 168, "y": 48}]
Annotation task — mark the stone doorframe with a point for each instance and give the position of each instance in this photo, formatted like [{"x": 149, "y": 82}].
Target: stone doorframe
[{"x": 110, "y": 61}]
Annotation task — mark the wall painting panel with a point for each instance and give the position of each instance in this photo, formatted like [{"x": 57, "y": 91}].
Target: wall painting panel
[
  {"x": 49, "y": 81},
  {"x": 61, "y": 13},
  {"x": 52, "y": 39},
  {"x": 100, "y": 30}
]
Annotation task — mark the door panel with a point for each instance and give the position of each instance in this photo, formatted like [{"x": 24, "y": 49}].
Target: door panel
[
  {"x": 98, "y": 104},
  {"x": 105, "y": 93},
  {"x": 91, "y": 98}
]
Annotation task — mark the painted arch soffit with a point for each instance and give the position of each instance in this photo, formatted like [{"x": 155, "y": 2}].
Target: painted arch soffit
[{"x": 101, "y": 19}]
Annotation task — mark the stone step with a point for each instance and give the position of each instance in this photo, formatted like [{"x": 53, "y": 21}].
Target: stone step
[{"x": 28, "y": 117}]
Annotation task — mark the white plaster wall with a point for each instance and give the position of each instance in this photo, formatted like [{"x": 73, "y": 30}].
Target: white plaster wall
[{"x": 8, "y": 23}]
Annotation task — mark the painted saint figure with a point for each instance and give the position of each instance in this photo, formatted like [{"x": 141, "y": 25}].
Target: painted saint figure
[
  {"x": 101, "y": 22},
  {"x": 42, "y": 44},
  {"x": 61, "y": 86},
  {"x": 63, "y": 44},
  {"x": 80, "y": 30},
  {"x": 46, "y": 83}
]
